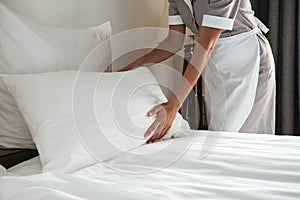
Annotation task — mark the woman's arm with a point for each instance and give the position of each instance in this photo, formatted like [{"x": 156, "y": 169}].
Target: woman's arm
[
  {"x": 167, "y": 48},
  {"x": 205, "y": 44},
  {"x": 166, "y": 112}
]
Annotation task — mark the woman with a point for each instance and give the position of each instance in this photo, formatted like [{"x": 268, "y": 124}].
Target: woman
[{"x": 239, "y": 73}]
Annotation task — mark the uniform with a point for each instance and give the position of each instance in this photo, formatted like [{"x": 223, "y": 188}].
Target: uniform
[{"x": 240, "y": 75}]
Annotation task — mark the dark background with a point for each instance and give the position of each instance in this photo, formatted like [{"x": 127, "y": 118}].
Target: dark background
[{"x": 283, "y": 19}]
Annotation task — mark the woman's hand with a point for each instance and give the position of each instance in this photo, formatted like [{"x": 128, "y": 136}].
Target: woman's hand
[
  {"x": 127, "y": 68},
  {"x": 166, "y": 114},
  {"x": 131, "y": 66}
]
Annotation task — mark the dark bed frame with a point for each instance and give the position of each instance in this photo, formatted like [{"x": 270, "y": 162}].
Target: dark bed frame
[{"x": 12, "y": 157}]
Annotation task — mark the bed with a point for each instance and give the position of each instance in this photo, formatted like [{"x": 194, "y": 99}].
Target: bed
[
  {"x": 239, "y": 166},
  {"x": 88, "y": 126}
]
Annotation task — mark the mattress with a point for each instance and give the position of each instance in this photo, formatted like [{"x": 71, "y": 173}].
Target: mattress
[{"x": 207, "y": 165}]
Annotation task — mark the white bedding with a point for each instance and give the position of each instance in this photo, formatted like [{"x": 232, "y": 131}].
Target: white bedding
[
  {"x": 28, "y": 47},
  {"x": 240, "y": 166}
]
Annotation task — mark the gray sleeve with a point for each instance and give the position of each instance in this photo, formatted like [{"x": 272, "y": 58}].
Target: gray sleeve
[
  {"x": 173, "y": 10},
  {"x": 174, "y": 15},
  {"x": 221, "y": 14},
  {"x": 223, "y": 8}
]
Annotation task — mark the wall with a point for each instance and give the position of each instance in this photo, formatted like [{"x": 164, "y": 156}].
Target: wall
[{"x": 123, "y": 14}]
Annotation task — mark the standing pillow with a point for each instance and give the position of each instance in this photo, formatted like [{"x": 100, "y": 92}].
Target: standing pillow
[
  {"x": 27, "y": 47},
  {"x": 78, "y": 119}
]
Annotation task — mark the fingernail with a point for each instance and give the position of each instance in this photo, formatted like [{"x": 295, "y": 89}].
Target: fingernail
[{"x": 150, "y": 113}]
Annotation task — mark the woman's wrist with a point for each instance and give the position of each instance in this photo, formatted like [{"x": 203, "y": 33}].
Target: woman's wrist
[{"x": 173, "y": 101}]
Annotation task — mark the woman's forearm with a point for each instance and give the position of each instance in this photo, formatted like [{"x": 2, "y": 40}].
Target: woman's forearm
[
  {"x": 190, "y": 77},
  {"x": 167, "y": 48},
  {"x": 159, "y": 54},
  {"x": 205, "y": 44}
]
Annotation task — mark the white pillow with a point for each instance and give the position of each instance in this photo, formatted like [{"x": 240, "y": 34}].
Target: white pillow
[
  {"x": 78, "y": 119},
  {"x": 28, "y": 47}
]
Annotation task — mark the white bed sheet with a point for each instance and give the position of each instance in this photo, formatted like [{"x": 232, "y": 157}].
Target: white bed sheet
[{"x": 240, "y": 166}]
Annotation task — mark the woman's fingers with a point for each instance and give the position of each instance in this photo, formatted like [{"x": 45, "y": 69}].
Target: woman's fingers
[
  {"x": 156, "y": 134},
  {"x": 165, "y": 117},
  {"x": 163, "y": 132},
  {"x": 132, "y": 66},
  {"x": 159, "y": 119},
  {"x": 161, "y": 129},
  {"x": 152, "y": 128},
  {"x": 124, "y": 69},
  {"x": 154, "y": 110}
]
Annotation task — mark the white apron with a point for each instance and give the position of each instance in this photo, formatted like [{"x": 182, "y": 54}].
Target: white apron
[{"x": 231, "y": 79}]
